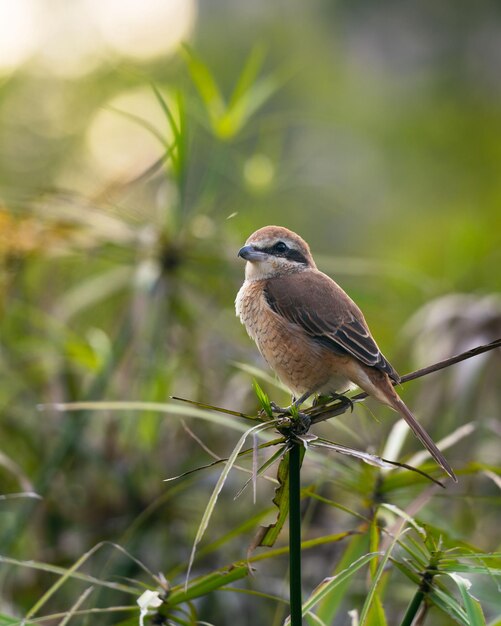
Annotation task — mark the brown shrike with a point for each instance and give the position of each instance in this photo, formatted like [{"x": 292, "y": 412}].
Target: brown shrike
[{"x": 310, "y": 331}]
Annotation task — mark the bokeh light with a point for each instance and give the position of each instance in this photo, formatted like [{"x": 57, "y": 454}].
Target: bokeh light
[
  {"x": 71, "y": 44},
  {"x": 143, "y": 29},
  {"x": 259, "y": 172},
  {"x": 70, "y": 39},
  {"x": 120, "y": 146},
  {"x": 18, "y": 32}
]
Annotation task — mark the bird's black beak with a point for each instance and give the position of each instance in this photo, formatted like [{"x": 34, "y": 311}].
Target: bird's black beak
[{"x": 249, "y": 253}]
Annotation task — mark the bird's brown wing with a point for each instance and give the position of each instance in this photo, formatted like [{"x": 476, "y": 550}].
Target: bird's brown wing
[{"x": 320, "y": 307}]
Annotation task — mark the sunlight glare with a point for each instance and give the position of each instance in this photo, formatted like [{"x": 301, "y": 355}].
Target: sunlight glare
[
  {"x": 120, "y": 148},
  {"x": 144, "y": 28},
  {"x": 18, "y": 33},
  {"x": 71, "y": 44}
]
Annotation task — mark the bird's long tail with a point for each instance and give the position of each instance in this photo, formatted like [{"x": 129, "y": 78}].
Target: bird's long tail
[
  {"x": 398, "y": 404},
  {"x": 377, "y": 384}
]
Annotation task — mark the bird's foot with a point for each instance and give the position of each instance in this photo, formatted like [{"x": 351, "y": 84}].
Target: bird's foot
[
  {"x": 302, "y": 423},
  {"x": 294, "y": 424},
  {"x": 321, "y": 399},
  {"x": 278, "y": 409},
  {"x": 344, "y": 400},
  {"x": 296, "y": 403},
  {"x": 296, "y": 420}
]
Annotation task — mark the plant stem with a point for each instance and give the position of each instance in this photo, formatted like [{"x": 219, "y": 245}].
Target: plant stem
[
  {"x": 295, "y": 534},
  {"x": 413, "y": 608}
]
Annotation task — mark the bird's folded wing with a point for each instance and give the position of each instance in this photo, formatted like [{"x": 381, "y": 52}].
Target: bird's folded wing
[{"x": 321, "y": 308}]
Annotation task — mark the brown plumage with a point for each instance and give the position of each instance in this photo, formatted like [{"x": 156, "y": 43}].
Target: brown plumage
[{"x": 310, "y": 331}]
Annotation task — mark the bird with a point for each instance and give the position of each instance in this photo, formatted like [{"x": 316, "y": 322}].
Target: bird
[{"x": 310, "y": 332}]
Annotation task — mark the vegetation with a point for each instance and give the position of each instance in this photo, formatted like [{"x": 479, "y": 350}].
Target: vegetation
[{"x": 116, "y": 294}]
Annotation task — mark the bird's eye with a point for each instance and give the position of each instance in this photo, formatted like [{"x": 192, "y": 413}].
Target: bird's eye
[{"x": 280, "y": 247}]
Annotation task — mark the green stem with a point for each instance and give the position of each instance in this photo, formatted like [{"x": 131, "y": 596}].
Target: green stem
[
  {"x": 295, "y": 534},
  {"x": 413, "y": 608}
]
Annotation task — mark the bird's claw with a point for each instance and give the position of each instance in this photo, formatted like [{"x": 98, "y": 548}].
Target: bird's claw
[
  {"x": 290, "y": 426},
  {"x": 344, "y": 400},
  {"x": 294, "y": 419},
  {"x": 278, "y": 409},
  {"x": 321, "y": 399},
  {"x": 302, "y": 423}
]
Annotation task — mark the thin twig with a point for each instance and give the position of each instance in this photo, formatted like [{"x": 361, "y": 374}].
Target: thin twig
[{"x": 451, "y": 361}]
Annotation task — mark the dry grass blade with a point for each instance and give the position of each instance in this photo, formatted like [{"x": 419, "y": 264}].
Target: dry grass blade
[
  {"x": 217, "y": 490},
  {"x": 370, "y": 459},
  {"x": 211, "y": 407},
  {"x": 79, "y": 601}
]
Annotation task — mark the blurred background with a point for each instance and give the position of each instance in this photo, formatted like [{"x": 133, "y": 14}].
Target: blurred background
[{"x": 141, "y": 142}]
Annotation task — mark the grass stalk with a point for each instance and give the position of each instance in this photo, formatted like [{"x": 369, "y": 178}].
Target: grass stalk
[{"x": 413, "y": 608}]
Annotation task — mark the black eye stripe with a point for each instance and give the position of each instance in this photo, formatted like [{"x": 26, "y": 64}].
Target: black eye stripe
[
  {"x": 295, "y": 255},
  {"x": 286, "y": 253}
]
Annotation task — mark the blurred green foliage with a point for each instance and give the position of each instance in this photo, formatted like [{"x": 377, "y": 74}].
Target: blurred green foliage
[{"x": 373, "y": 131}]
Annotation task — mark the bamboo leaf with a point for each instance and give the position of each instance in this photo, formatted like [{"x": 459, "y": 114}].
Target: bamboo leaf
[
  {"x": 205, "y": 84},
  {"x": 449, "y": 605},
  {"x": 471, "y": 604},
  {"x": 328, "y": 610},
  {"x": 376, "y": 615},
  {"x": 269, "y": 534},
  {"x": 204, "y": 585},
  {"x": 377, "y": 577},
  {"x": 328, "y": 584},
  {"x": 249, "y": 74},
  {"x": 263, "y": 398}
]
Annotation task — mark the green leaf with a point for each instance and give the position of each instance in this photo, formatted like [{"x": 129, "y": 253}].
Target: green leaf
[
  {"x": 449, "y": 605},
  {"x": 178, "y": 155},
  {"x": 205, "y": 84},
  {"x": 232, "y": 122},
  {"x": 249, "y": 94},
  {"x": 264, "y": 401},
  {"x": 310, "y": 493},
  {"x": 329, "y": 584},
  {"x": 5, "y": 620},
  {"x": 249, "y": 74},
  {"x": 377, "y": 576},
  {"x": 328, "y": 609},
  {"x": 281, "y": 501},
  {"x": 203, "y": 585},
  {"x": 376, "y": 615},
  {"x": 471, "y": 604}
]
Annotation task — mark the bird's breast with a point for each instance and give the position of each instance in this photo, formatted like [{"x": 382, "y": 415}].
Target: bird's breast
[{"x": 300, "y": 362}]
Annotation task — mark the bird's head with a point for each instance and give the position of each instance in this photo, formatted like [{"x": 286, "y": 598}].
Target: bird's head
[{"x": 275, "y": 251}]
